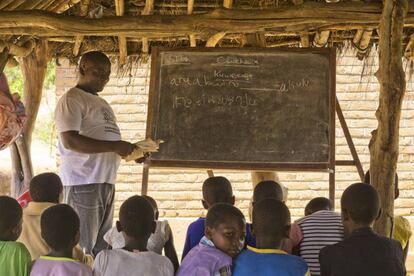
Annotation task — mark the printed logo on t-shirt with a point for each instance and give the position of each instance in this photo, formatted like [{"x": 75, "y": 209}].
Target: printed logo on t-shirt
[
  {"x": 224, "y": 271},
  {"x": 110, "y": 121}
]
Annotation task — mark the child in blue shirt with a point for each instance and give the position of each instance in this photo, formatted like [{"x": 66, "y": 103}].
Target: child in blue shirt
[
  {"x": 271, "y": 224},
  {"x": 216, "y": 189}
]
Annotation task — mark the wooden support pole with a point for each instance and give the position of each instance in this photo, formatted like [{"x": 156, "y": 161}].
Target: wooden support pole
[
  {"x": 384, "y": 142},
  {"x": 304, "y": 40},
  {"x": 145, "y": 178},
  {"x": 34, "y": 70},
  {"x": 321, "y": 38}
]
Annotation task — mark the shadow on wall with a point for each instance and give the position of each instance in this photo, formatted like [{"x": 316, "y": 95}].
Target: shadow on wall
[{"x": 5, "y": 179}]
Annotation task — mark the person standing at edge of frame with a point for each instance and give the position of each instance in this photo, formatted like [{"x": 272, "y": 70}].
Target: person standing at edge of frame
[{"x": 90, "y": 148}]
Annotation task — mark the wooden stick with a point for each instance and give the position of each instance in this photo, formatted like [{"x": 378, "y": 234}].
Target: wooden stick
[
  {"x": 228, "y": 4},
  {"x": 5, "y": 3},
  {"x": 148, "y": 9},
  {"x": 14, "y": 5},
  {"x": 384, "y": 144},
  {"x": 214, "y": 39},
  {"x": 349, "y": 141},
  {"x": 190, "y": 6},
  {"x": 84, "y": 8},
  {"x": 122, "y": 43}
]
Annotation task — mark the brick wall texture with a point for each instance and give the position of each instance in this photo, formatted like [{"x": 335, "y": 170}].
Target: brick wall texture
[{"x": 178, "y": 192}]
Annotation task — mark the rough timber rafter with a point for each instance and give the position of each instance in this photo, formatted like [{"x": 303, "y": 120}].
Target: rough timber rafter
[{"x": 343, "y": 16}]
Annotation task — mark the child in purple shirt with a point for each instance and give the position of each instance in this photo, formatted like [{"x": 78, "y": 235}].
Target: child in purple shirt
[
  {"x": 216, "y": 189},
  {"x": 59, "y": 226},
  {"x": 223, "y": 240}
]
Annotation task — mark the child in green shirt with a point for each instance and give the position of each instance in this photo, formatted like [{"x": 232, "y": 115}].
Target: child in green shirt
[{"x": 15, "y": 259}]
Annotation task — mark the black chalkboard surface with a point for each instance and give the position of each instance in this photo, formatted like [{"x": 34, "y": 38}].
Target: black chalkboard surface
[{"x": 242, "y": 108}]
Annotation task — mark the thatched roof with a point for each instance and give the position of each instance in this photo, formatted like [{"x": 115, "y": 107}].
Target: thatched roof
[{"x": 130, "y": 27}]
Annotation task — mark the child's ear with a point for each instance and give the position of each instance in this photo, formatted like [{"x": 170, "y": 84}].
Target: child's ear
[
  {"x": 286, "y": 231},
  {"x": 205, "y": 205},
  {"x": 157, "y": 214},
  {"x": 154, "y": 226},
  {"x": 77, "y": 238},
  {"x": 82, "y": 69},
  {"x": 118, "y": 226},
  {"x": 379, "y": 214},
  {"x": 345, "y": 214},
  {"x": 208, "y": 232},
  {"x": 233, "y": 200}
]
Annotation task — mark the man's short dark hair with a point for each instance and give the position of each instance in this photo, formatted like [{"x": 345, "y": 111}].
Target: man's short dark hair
[
  {"x": 94, "y": 56},
  {"x": 137, "y": 217},
  {"x": 222, "y": 212},
  {"x": 270, "y": 217},
  {"x": 267, "y": 189},
  {"x": 217, "y": 189},
  {"x": 362, "y": 203},
  {"x": 152, "y": 202},
  {"x": 10, "y": 214},
  {"x": 59, "y": 226},
  {"x": 45, "y": 187},
  {"x": 318, "y": 204}
]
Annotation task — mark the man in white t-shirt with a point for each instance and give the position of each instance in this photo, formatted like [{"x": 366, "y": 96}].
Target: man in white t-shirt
[{"x": 90, "y": 148}]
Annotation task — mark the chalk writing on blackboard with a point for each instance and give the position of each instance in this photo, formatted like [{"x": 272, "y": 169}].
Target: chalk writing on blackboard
[{"x": 243, "y": 101}]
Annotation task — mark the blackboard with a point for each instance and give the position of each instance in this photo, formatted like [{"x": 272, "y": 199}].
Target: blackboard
[{"x": 242, "y": 108}]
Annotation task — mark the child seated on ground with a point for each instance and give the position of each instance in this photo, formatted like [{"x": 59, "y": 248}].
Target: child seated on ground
[
  {"x": 271, "y": 224},
  {"x": 45, "y": 190},
  {"x": 320, "y": 227},
  {"x": 162, "y": 238},
  {"x": 14, "y": 257},
  {"x": 363, "y": 252},
  {"x": 59, "y": 226},
  {"x": 136, "y": 222},
  {"x": 215, "y": 189},
  {"x": 402, "y": 229},
  {"x": 223, "y": 240}
]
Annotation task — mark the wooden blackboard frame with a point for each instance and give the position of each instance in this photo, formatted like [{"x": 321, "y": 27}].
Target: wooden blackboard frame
[{"x": 248, "y": 165}]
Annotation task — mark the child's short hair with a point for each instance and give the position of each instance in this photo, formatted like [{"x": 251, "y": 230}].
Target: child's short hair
[
  {"x": 59, "y": 226},
  {"x": 217, "y": 189},
  {"x": 317, "y": 204},
  {"x": 267, "y": 189},
  {"x": 152, "y": 202},
  {"x": 361, "y": 201},
  {"x": 222, "y": 212},
  {"x": 10, "y": 214},
  {"x": 45, "y": 187},
  {"x": 136, "y": 217},
  {"x": 270, "y": 217}
]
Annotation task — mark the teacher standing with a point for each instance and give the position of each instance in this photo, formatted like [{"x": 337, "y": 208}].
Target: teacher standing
[{"x": 90, "y": 148}]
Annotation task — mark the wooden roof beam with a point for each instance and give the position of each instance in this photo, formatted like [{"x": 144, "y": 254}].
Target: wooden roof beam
[
  {"x": 349, "y": 16},
  {"x": 148, "y": 9}
]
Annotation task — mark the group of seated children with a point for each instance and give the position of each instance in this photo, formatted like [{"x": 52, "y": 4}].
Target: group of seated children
[{"x": 42, "y": 239}]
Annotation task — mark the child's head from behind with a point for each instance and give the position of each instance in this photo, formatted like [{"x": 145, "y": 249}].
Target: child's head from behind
[
  {"x": 217, "y": 189},
  {"x": 136, "y": 219},
  {"x": 46, "y": 187},
  {"x": 271, "y": 220},
  {"x": 153, "y": 205},
  {"x": 59, "y": 226},
  {"x": 226, "y": 228},
  {"x": 360, "y": 206},
  {"x": 10, "y": 219},
  {"x": 318, "y": 204},
  {"x": 267, "y": 189}
]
